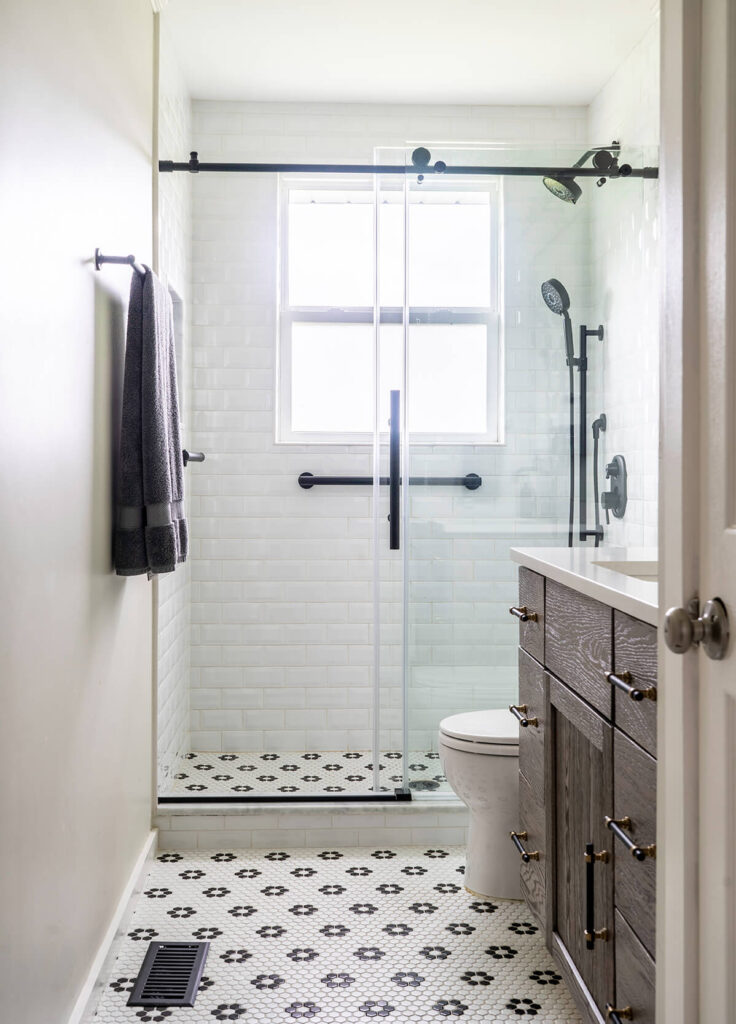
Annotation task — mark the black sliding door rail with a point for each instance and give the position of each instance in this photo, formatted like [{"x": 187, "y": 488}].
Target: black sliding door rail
[
  {"x": 471, "y": 480},
  {"x": 193, "y": 166}
]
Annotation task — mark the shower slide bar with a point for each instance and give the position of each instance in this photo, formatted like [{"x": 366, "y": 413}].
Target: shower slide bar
[
  {"x": 471, "y": 480},
  {"x": 194, "y": 166},
  {"x": 130, "y": 260}
]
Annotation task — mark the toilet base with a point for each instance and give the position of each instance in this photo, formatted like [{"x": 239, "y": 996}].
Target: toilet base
[{"x": 492, "y": 864}]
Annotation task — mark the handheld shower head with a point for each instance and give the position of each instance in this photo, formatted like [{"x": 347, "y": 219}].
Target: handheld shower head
[
  {"x": 558, "y": 301},
  {"x": 555, "y": 295}
]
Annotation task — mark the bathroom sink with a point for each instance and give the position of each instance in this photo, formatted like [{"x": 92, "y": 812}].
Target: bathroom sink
[{"x": 638, "y": 570}]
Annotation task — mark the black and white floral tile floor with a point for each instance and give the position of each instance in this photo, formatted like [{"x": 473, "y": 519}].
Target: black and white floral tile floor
[
  {"x": 216, "y": 774},
  {"x": 340, "y": 937}
]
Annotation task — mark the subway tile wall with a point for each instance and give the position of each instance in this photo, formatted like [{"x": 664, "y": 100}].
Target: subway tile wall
[
  {"x": 281, "y": 613},
  {"x": 625, "y": 264},
  {"x": 174, "y": 247}
]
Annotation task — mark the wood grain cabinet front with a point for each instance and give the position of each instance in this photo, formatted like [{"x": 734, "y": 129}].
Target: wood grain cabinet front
[
  {"x": 635, "y": 977},
  {"x": 578, "y": 643},
  {"x": 530, "y": 613},
  {"x": 579, "y": 788},
  {"x": 632, "y": 828},
  {"x": 532, "y": 710},
  {"x": 635, "y": 679},
  {"x": 587, "y": 712}
]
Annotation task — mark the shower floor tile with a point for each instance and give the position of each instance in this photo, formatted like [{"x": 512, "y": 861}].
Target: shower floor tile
[
  {"x": 284, "y": 773},
  {"x": 339, "y": 937}
]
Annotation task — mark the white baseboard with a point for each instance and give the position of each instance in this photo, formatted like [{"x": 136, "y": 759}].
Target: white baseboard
[{"x": 89, "y": 995}]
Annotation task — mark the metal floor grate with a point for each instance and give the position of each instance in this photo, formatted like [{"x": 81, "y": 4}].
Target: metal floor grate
[{"x": 170, "y": 974}]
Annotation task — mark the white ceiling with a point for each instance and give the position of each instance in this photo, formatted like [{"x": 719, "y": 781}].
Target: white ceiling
[{"x": 404, "y": 51}]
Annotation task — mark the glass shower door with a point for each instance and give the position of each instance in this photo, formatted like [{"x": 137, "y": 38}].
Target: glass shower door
[{"x": 486, "y": 431}]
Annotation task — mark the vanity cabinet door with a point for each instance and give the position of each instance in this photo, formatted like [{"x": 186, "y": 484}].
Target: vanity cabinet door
[
  {"x": 533, "y": 871},
  {"x": 579, "y": 790},
  {"x": 635, "y": 807},
  {"x": 635, "y": 976},
  {"x": 532, "y": 708}
]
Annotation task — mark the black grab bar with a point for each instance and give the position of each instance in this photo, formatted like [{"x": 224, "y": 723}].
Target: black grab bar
[{"x": 471, "y": 480}]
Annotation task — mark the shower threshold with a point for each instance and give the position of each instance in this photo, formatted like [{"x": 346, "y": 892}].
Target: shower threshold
[{"x": 298, "y": 775}]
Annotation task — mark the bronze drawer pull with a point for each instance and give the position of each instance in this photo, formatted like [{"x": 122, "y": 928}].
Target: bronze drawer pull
[
  {"x": 622, "y": 681},
  {"x": 615, "y": 1015},
  {"x": 591, "y": 933},
  {"x": 519, "y": 711},
  {"x": 525, "y": 855},
  {"x": 523, "y": 614},
  {"x": 617, "y": 826}
]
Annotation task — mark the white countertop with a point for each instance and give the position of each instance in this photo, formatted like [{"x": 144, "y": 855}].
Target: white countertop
[{"x": 576, "y": 568}]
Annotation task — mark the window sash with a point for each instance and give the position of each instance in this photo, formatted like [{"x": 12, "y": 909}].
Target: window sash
[
  {"x": 494, "y": 414},
  {"x": 288, "y": 315}
]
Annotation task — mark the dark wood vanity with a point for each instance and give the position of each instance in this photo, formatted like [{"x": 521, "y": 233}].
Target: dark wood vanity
[{"x": 587, "y": 793}]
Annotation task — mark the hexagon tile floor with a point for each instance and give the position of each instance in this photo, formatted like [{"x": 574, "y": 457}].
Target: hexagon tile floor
[
  {"x": 340, "y": 937},
  {"x": 216, "y": 774}
]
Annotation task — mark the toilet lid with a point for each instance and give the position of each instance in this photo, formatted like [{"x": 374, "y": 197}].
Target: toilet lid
[{"x": 494, "y": 726}]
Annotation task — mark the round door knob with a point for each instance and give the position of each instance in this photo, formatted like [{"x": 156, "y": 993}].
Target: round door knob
[
  {"x": 684, "y": 628},
  {"x": 680, "y": 630}
]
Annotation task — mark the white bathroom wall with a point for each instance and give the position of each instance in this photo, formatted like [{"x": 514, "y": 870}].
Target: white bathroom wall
[
  {"x": 624, "y": 258},
  {"x": 76, "y": 109},
  {"x": 281, "y": 612},
  {"x": 174, "y": 251}
]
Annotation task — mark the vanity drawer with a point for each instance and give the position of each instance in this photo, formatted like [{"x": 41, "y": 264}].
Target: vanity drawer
[
  {"x": 531, "y": 597},
  {"x": 635, "y": 975},
  {"x": 635, "y": 659},
  {"x": 578, "y": 640},
  {"x": 532, "y": 821},
  {"x": 634, "y": 789},
  {"x": 532, "y": 707}
]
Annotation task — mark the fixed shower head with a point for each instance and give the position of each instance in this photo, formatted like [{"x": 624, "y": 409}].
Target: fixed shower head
[
  {"x": 566, "y": 189},
  {"x": 556, "y": 298}
]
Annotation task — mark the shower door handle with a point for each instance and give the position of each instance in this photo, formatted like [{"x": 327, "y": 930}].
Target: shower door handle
[{"x": 394, "y": 471}]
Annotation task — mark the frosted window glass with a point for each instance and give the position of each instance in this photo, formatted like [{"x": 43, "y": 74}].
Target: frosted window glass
[
  {"x": 332, "y": 377},
  {"x": 448, "y": 379},
  {"x": 449, "y": 254},
  {"x": 330, "y": 258}
]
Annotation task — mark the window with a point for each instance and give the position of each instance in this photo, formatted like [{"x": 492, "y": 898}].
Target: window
[{"x": 326, "y": 333}]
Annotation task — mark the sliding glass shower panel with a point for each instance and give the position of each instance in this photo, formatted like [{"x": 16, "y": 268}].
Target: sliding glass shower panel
[{"x": 487, "y": 430}]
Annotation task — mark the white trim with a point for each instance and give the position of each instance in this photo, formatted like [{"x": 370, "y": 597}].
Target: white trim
[
  {"x": 90, "y": 993},
  {"x": 679, "y": 526}
]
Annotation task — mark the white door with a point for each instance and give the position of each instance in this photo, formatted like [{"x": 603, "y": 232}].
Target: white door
[{"x": 696, "y": 959}]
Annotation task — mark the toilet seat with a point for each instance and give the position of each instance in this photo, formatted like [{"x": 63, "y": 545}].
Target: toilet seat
[{"x": 491, "y": 732}]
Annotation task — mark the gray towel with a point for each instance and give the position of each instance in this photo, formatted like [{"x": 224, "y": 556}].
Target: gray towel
[{"x": 151, "y": 531}]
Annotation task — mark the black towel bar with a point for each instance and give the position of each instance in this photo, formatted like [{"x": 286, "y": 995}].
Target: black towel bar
[
  {"x": 471, "y": 480},
  {"x": 130, "y": 260}
]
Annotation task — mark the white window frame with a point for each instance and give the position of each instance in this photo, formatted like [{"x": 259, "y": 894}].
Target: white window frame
[{"x": 288, "y": 315}]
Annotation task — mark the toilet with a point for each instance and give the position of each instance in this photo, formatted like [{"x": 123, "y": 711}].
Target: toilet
[{"x": 480, "y": 758}]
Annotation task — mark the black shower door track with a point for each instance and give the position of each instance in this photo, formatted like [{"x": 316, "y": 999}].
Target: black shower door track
[
  {"x": 398, "y": 795},
  {"x": 195, "y": 167}
]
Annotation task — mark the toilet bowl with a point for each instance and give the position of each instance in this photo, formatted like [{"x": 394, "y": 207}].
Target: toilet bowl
[{"x": 480, "y": 758}]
